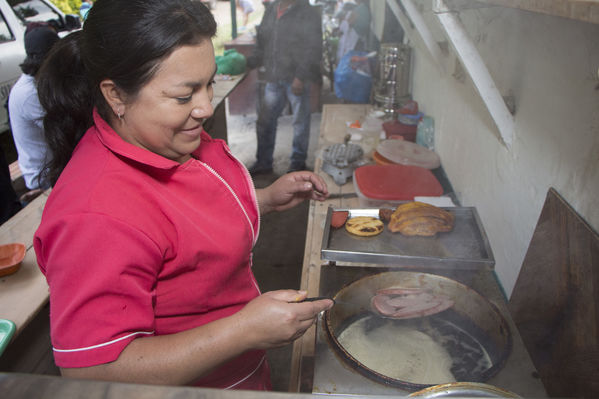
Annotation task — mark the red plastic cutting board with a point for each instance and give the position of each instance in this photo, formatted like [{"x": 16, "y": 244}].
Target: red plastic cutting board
[{"x": 396, "y": 182}]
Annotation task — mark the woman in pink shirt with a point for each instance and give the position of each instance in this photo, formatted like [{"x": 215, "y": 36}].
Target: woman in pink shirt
[{"x": 147, "y": 236}]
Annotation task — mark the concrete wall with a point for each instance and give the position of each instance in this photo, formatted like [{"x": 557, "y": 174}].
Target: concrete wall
[{"x": 550, "y": 65}]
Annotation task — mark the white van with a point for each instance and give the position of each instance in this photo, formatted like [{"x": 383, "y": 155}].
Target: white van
[{"x": 14, "y": 16}]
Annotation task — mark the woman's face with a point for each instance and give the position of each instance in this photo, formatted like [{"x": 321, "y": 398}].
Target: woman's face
[{"x": 166, "y": 116}]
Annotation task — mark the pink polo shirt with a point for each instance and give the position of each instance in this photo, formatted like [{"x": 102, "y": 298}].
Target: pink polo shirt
[{"x": 133, "y": 244}]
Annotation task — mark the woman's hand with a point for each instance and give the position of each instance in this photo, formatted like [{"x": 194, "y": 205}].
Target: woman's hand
[
  {"x": 276, "y": 318},
  {"x": 268, "y": 321},
  {"x": 291, "y": 189}
]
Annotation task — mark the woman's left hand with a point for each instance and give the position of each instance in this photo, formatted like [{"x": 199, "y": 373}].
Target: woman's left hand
[{"x": 291, "y": 189}]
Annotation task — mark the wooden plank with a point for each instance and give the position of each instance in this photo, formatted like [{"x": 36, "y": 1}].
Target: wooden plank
[
  {"x": 581, "y": 10},
  {"x": 425, "y": 33},
  {"x": 555, "y": 302},
  {"x": 477, "y": 70},
  {"x": 15, "y": 171},
  {"x": 333, "y": 128},
  {"x": 216, "y": 125},
  {"x": 22, "y": 226},
  {"x": 27, "y": 386},
  {"x": 25, "y": 292},
  {"x": 224, "y": 85}
]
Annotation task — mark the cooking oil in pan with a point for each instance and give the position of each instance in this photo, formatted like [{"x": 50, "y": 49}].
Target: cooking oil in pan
[
  {"x": 470, "y": 358},
  {"x": 402, "y": 353},
  {"x": 430, "y": 350}
]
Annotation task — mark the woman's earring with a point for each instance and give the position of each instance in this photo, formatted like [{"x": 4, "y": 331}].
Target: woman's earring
[{"x": 119, "y": 114}]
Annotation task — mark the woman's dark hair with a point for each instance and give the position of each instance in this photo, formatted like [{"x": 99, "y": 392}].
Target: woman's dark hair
[
  {"x": 30, "y": 66},
  {"x": 39, "y": 39},
  {"x": 124, "y": 41}
]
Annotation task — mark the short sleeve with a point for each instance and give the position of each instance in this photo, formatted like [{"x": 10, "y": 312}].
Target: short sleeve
[{"x": 102, "y": 276}]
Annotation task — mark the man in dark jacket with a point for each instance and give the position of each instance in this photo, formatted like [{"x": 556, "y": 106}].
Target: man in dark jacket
[{"x": 289, "y": 46}]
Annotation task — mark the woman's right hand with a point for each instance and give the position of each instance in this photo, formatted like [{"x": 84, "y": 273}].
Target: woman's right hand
[
  {"x": 268, "y": 321},
  {"x": 276, "y": 318}
]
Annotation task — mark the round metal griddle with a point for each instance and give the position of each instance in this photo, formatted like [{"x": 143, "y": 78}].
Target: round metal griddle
[{"x": 471, "y": 327}]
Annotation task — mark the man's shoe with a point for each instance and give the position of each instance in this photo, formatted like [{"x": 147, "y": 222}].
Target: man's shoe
[
  {"x": 259, "y": 169},
  {"x": 296, "y": 167}
]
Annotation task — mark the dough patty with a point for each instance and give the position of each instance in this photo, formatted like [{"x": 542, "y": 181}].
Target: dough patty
[{"x": 364, "y": 226}]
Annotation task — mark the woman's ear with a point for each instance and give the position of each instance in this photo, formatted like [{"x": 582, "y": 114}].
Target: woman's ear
[{"x": 113, "y": 96}]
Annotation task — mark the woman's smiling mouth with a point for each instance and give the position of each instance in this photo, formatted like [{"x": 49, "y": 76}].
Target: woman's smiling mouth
[{"x": 192, "y": 132}]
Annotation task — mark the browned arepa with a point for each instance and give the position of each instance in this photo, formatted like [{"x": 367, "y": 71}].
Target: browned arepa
[{"x": 420, "y": 219}]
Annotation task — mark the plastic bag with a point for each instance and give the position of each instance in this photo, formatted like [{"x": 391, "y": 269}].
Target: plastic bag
[
  {"x": 230, "y": 63},
  {"x": 353, "y": 82}
]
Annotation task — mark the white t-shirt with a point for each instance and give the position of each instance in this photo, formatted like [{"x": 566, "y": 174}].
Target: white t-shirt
[{"x": 26, "y": 114}]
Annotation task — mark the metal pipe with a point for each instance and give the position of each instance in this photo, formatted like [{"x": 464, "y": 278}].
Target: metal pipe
[{"x": 233, "y": 19}]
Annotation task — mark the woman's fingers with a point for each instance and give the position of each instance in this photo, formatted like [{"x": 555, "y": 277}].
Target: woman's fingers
[
  {"x": 277, "y": 318},
  {"x": 309, "y": 310}
]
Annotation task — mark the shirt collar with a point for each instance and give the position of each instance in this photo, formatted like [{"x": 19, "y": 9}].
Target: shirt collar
[{"x": 116, "y": 144}]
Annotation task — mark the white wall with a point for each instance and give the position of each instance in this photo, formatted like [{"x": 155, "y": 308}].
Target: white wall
[{"x": 550, "y": 65}]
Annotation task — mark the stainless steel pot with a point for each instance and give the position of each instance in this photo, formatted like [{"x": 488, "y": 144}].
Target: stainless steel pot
[
  {"x": 472, "y": 327},
  {"x": 392, "y": 88}
]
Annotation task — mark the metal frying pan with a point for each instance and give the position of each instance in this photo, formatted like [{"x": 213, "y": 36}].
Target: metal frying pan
[{"x": 473, "y": 333}]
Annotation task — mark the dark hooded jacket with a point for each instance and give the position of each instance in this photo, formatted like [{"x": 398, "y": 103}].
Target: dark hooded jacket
[{"x": 290, "y": 46}]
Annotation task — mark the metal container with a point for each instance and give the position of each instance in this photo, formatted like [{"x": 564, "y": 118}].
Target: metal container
[
  {"x": 333, "y": 375},
  {"x": 473, "y": 332},
  {"x": 465, "y": 247},
  {"x": 392, "y": 88}
]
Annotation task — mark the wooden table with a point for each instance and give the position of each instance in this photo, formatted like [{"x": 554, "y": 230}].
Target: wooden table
[
  {"x": 25, "y": 292},
  {"x": 26, "y": 386},
  {"x": 224, "y": 85},
  {"x": 244, "y": 100},
  {"x": 333, "y": 129}
]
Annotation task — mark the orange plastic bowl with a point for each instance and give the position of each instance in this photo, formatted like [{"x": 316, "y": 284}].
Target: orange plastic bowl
[{"x": 11, "y": 256}]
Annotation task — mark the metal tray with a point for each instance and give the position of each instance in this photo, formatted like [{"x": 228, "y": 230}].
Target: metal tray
[{"x": 465, "y": 247}]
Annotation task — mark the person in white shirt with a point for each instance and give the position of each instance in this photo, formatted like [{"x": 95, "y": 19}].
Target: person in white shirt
[
  {"x": 247, "y": 7},
  {"x": 25, "y": 112}
]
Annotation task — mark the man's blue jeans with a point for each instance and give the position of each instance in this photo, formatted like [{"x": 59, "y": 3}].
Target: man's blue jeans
[{"x": 275, "y": 99}]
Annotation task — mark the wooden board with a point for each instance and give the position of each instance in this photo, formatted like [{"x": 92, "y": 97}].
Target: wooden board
[
  {"x": 216, "y": 125},
  {"x": 582, "y": 10},
  {"x": 332, "y": 131},
  {"x": 555, "y": 302},
  {"x": 25, "y": 292}
]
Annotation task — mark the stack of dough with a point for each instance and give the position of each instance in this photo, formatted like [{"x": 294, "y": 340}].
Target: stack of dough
[{"x": 420, "y": 219}]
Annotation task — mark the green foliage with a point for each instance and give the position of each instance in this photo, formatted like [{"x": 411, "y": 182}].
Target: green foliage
[{"x": 68, "y": 6}]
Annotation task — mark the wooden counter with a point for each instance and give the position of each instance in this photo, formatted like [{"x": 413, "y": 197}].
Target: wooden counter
[
  {"x": 27, "y": 386},
  {"x": 332, "y": 131},
  {"x": 25, "y": 292},
  {"x": 216, "y": 126},
  {"x": 245, "y": 97},
  {"x": 519, "y": 368}
]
